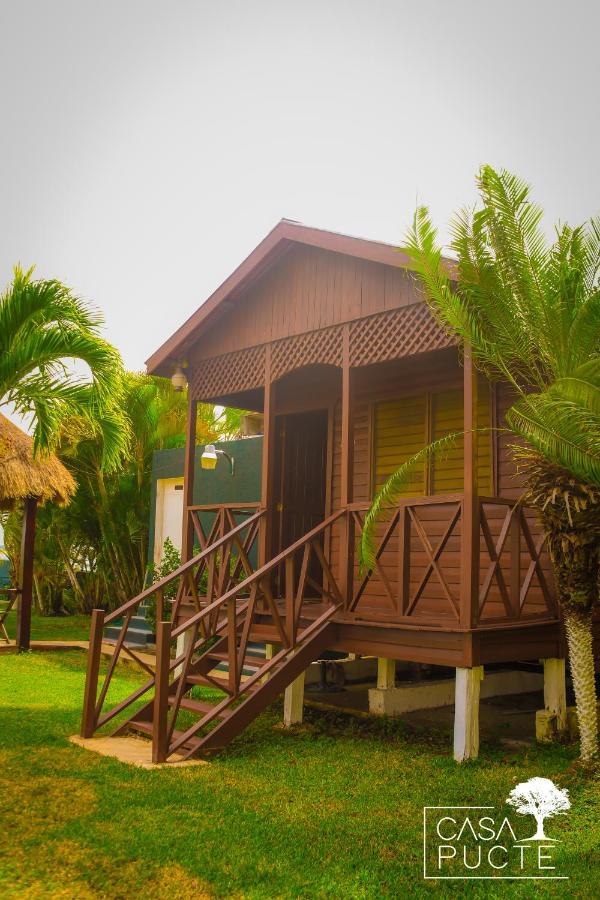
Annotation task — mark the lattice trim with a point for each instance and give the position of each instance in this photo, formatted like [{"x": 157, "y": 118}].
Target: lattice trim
[
  {"x": 229, "y": 373},
  {"x": 324, "y": 346},
  {"x": 394, "y": 334},
  {"x": 389, "y": 335}
]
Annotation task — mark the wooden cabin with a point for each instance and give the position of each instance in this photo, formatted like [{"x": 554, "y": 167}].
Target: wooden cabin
[{"x": 329, "y": 337}]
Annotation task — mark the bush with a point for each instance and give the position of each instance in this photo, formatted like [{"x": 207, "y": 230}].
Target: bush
[{"x": 170, "y": 560}]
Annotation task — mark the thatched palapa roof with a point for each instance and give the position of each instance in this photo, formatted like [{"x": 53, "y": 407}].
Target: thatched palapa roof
[{"x": 23, "y": 476}]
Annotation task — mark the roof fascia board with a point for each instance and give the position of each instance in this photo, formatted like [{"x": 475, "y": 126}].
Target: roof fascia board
[{"x": 254, "y": 265}]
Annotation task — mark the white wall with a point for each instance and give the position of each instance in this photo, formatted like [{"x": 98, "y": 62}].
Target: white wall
[{"x": 169, "y": 514}]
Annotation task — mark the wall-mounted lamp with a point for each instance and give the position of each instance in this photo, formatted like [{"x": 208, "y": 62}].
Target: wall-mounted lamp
[
  {"x": 210, "y": 456},
  {"x": 178, "y": 379}
]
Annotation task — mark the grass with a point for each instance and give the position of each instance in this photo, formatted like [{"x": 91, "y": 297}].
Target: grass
[
  {"x": 53, "y": 628},
  {"x": 330, "y": 809}
]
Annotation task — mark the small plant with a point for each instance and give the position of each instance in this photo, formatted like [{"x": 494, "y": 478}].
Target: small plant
[{"x": 170, "y": 560}]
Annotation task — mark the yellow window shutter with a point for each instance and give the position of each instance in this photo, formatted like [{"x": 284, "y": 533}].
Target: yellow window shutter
[
  {"x": 399, "y": 431},
  {"x": 447, "y": 417},
  {"x": 447, "y": 466},
  {"x": 484, "y": 450}
]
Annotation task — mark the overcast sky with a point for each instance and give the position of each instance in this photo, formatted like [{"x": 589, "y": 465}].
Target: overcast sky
[{"x": 148, "y": 146}]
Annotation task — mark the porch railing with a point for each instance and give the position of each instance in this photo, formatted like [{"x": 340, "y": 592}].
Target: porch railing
[{"x": 419, "y": 565}]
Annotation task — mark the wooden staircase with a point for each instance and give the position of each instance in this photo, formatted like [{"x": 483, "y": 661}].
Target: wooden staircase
[
  {"x": 240, "y": 609},
  {"x": 217, "y": 723}
]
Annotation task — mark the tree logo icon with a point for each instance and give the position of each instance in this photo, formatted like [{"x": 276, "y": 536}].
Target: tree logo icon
[{"x": 540, "y": 798}]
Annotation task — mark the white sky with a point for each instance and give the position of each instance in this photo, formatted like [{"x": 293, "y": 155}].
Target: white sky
[{"x": 148, "y": 146}]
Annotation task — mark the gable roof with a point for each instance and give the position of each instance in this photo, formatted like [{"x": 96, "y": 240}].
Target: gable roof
[{"x": 285, "y": 234}]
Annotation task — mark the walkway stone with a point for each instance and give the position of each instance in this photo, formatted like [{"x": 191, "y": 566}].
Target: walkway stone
[{"x": 133, "y": 751}]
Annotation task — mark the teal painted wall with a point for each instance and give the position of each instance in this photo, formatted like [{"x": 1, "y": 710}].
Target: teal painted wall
[{"x": 217, "y": 486}]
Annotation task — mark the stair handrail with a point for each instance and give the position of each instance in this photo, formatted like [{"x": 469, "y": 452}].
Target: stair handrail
[
  {"x": 176, "y": 573},
  {"x": 258, "y": 574},
  {"x": 93, "y": 703},
  {"x": 173, "y": 745}
]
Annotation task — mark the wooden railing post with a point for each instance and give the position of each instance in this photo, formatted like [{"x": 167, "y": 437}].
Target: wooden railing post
[
  {"x": 403, "y": 559},
  {"x": 515, "y": 561},
  {"x": 290, "y": 608},
  {"x": 161, "y": 693},
  {"x": 268, "y": 465},
  {"x": 232, "y": 646},
  {"x": 347, "y": 528},
  {"x": 88, "y": 721},
  {"x": 470, "y": 544},
  {"x": 160, "y": 605},
  {"x": 348, "y": 593},
  {"x": 187, "y": 533},
  {"x": 23, "y": 635}
]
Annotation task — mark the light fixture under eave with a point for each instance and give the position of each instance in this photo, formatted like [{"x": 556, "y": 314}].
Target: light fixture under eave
[
  {"x": 208, "y": 460},
  {"x": 178, "y": 379},
  {"x": 210, "y": 457}
]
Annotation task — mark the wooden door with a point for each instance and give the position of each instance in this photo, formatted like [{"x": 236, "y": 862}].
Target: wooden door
[{"x": 300, "y": 475}]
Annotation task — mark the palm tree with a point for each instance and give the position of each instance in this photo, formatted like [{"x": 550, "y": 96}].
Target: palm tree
[
  {"x": 530, "y": 313},
  {"x": 44, "y": 328},
  {"x": 97, "y": 547}
]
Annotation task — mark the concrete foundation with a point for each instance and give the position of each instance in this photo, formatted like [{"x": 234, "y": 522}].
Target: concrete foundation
[{"x": 430, "y": 694}]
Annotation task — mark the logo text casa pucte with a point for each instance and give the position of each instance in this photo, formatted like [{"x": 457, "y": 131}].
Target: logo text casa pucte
[{"x": 468, "y": 841}]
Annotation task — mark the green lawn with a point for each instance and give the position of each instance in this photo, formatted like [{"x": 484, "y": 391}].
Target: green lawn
[
  {"x": 333, "y": 809},
  {"x": 53, "y": 628}
]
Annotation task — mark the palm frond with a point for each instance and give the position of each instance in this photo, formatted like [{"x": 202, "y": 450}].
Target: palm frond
[
  {"x": 582, "y": 388},
  {"x": 563, "y": 432},
  {"x": 478, "y": 309},
  {"x": 44, "y": 329},
  {"x": 389, "y": 494}
]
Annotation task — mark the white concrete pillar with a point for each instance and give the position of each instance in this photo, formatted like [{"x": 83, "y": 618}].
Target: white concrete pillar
[
  {"x": 466, "y": 713},
  {"x": 269, "y": 653},
  {"x": 555, "y": 691},
  {"x": 551, "y": 722},
  {"x": 183, "y": 642},
  {"x": 293, "y": 702},
  {"x": 386, "y": 673}
]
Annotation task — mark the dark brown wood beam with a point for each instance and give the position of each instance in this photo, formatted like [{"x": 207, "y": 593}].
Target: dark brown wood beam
[
  {"x": 187, "y": 530},
  {"x": 469, "y": 563},
  {"x": 347, "y": 473},
  {"x": 26, "y": 574},
  {"x": 265, "y": 547}
]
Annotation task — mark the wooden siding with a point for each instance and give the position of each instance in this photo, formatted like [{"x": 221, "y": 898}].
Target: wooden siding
[
  {"x": 397, "y": 387},
  {"x": 307, "y": 289}
]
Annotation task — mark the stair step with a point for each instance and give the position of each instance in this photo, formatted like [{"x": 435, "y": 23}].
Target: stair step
[
  {"x": 250, "y": 660},
  {"x": 264, "y": 633},
  {"x": 215, "y": 681},
  {"x": 199, "y": 706},
  {"x": 146, "y": 728},
  {"x": 205, "y": 682},
  {"x": 140, "y": 624},
  {"x": 134, "y": 636}
]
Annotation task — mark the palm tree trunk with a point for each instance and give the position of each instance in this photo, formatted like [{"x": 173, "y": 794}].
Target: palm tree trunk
[{"x": 581, "y": 660}]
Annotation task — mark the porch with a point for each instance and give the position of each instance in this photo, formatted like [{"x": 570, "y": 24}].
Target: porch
[{"x": 417, "y": 604}]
